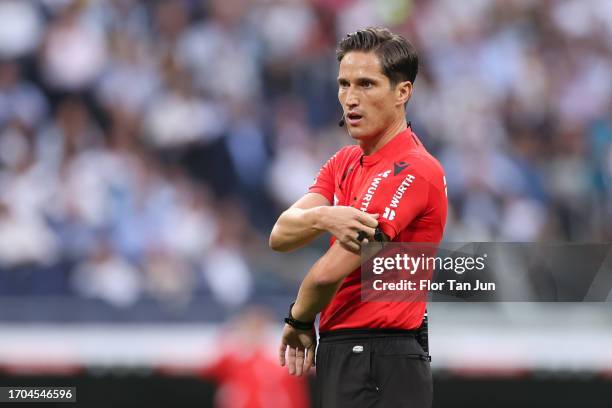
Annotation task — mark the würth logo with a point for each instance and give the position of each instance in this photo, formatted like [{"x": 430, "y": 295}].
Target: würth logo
[
  {"x": 398, "y": 167},
  {"x": 367, "y": 198},
  {"x": 389, "y": 214}
]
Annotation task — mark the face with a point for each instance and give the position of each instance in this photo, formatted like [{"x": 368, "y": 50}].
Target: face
[{"x": 370, "y": 104}]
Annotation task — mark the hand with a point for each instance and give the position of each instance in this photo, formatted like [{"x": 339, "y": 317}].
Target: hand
[
  {"x": 301, "y": 354},
  {"x": 345, "y": 223}
]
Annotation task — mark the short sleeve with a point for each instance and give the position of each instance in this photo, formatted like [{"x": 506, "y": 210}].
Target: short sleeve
[
  {"x": 324, "y": 181},
  {"x": 399, "y": 200}
]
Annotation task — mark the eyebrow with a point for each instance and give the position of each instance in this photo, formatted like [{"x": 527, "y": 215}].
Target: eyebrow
[{"x": 359, "y": 80}]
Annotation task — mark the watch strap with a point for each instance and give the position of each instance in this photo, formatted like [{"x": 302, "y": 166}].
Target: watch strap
[{"x": 298, "y": 324}]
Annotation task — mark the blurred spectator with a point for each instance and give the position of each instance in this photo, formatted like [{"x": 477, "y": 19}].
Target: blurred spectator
[
  {"x": 223, "y": 52},
  {"x": 108, "y": 277},
  {"x": 295, "y": 154},
  {"x": 74, "y": 52},
  {"x": 247, "y": 369},
  {"x": 19, "y": 100},
  {"x": 168, "y": 278},
  {"x": 20, "y": 28},
  {"x": 225, "y": 268},
  {"x": 228, "y": 275},
  {"x": 179, "y": 116},
  {"x": 130, "y": 81},
  {"x": 25, "y": 190}
]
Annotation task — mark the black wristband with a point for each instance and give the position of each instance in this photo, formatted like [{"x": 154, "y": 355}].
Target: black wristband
[{"x": 298, "y": 324}]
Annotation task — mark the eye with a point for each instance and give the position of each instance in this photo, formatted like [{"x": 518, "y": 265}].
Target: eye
[
  {"x": 367, "y": 84},
  {"x": 343, "y": 84}
]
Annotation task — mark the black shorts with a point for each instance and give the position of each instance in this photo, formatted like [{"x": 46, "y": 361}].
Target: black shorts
[{"x": 372, "y": 368}]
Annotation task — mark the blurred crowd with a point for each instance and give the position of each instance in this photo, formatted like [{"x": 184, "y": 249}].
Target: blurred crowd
[{"x": 146, "y": 147}]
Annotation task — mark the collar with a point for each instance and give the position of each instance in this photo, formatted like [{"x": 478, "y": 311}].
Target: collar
[{"x": 403, "y": 141}]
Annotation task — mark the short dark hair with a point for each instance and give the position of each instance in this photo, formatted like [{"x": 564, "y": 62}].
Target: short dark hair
[{"x": 399, "y": 59}]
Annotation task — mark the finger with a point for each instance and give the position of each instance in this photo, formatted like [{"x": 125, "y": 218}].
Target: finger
[
  {"x": 353, "y": 246},
  {"x": 353, "y": 239},
  {"x": 291, "y": 360},
  {"x": 281, "y": 353},
  {"x": 368, "y": 231},
  {"x": 299, "y": 361},
  {"x": 368, "y": 219},
  {"x": 310, "y": 355}
]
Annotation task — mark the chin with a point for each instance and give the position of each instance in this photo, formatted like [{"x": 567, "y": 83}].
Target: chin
[
  {"x": 356, "y": 132},
  {"x": 359, "y": 134}
]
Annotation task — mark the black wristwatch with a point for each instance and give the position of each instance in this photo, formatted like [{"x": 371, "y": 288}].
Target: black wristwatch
[{"x": 298, "y": 324}]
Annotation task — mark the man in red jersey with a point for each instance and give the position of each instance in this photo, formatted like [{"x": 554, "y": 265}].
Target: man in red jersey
[
  {"x": 246, "y": 370},
  {"x": 388, "y": 183}
]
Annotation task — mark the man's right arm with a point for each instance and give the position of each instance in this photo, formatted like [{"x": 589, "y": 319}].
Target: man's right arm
[{"x": 311, "y": 215}]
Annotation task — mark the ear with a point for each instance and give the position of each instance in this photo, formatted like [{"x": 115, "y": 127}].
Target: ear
[{"x": 403, "y": 92}]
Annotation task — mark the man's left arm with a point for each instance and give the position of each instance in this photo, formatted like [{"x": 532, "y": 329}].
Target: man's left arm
[
  {"x": 322, "y": 281},
  {"x": 297, "y": 347}
]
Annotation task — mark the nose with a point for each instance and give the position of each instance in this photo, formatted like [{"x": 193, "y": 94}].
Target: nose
[{"x": 352, "y": 100}]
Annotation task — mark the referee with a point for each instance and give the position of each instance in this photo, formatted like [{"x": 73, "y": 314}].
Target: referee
[{"x": 385, "y": 187}]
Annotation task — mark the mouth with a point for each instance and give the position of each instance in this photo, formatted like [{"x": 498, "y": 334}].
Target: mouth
[{"x": 353, "y": 118}]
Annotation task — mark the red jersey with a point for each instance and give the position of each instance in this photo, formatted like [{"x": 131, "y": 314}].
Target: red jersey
[{"x": 405, "y": 185}]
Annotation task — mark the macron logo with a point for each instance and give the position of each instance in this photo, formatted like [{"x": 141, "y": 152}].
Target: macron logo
[{"x": 398, "y": 167}]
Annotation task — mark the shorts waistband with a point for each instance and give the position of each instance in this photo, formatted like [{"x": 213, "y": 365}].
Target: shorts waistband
[{"x": 352, "y": 334}]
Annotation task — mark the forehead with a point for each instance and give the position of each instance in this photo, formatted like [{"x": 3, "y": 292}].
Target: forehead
[{"x": 357, "y": 64}]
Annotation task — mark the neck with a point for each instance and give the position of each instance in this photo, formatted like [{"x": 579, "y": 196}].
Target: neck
[{"x": 372, "y": 145}]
